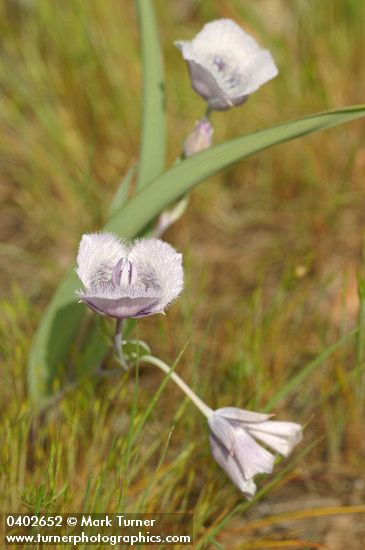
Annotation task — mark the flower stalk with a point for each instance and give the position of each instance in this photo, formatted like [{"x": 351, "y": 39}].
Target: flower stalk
[
  {"x": 199, "y": 403},
  {"x": 118, "y": 343}
]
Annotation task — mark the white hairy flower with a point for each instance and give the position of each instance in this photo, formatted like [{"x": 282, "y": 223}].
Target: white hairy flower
[
  {"x": 232, "y": 438},
  {"x": 226, "y": 64},
  {"x": 128, "y": 280}
]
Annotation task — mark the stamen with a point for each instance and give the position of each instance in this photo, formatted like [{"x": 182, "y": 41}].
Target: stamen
[{"x": 124, "y": 273}]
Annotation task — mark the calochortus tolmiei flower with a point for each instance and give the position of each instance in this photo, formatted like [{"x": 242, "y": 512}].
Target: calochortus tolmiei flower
[
  {"x": 233, "y": 438},
  {"x": 226, "y": 64},
  {"x": 124, "y": 280}
]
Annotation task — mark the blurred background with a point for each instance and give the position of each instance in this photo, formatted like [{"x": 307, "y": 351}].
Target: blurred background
[{"x": 273, "y": 253}]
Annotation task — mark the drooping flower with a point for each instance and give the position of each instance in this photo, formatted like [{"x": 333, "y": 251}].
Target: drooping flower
[
  {"x": 233, "y": 439},
  {"x": 124, "y": 280},
  {"x": 226, "y": 64},
  {"x": 199, "y": 139}
]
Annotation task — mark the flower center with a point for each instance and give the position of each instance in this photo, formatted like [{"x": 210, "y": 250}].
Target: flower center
[
  {"x": 219, "y": 63},
  {"x": 124, "y": 273},
  {"x": 227, "y": 71}
]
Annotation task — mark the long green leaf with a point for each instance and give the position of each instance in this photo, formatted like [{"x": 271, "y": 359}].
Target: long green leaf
[
  {"x": 180, "y": 179},
  {"x": 60, "y": 321},
  {"x": 153, "y": 139}
]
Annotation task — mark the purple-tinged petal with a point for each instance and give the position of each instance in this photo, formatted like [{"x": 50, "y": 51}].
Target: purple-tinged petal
[
  {"x": 279, "y": 436},
  {"x": 204, "y": 83},
  {"x": 159, "y": 266},
  {"x": 98, "y": 254},
  {"x": 253, "y": 458},
  {"x": 232, "y": 467},
  {"x": 223, "y": 431},
  {"x": 241, "y": 415},
  {"x": 119, "y": 308}
]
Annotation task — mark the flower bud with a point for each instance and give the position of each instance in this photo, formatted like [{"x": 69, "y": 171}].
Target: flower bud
[{"x": 200, "y": 138}]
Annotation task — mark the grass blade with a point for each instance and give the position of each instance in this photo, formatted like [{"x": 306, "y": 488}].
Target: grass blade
[
  {"x": 59, "y": 323},
  {"x": 153, "y": 139},
  {"x": 308, "y": 369}
]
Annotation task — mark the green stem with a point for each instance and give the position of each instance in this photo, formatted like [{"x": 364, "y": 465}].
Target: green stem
[
  {"x": 207, "y": 411},
  {"x": 118, "y": 343},
  {"x": 207, "y": 113}
]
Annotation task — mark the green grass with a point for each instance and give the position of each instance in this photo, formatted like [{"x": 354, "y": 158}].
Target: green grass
[{"x": 271, "y": 248}]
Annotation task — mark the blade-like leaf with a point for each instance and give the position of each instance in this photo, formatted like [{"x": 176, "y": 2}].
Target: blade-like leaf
[
  {"x": 180, "y": 179},
  {"x": 153, "y": 140},
  {"x": 54, "y": 336},
  {"x": 59, "y": 323}
]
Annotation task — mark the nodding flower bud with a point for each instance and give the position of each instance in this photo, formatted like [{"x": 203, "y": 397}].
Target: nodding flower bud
[
  {"x": 200, "y": 138},
  {"x": 124, "y": 273}
]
